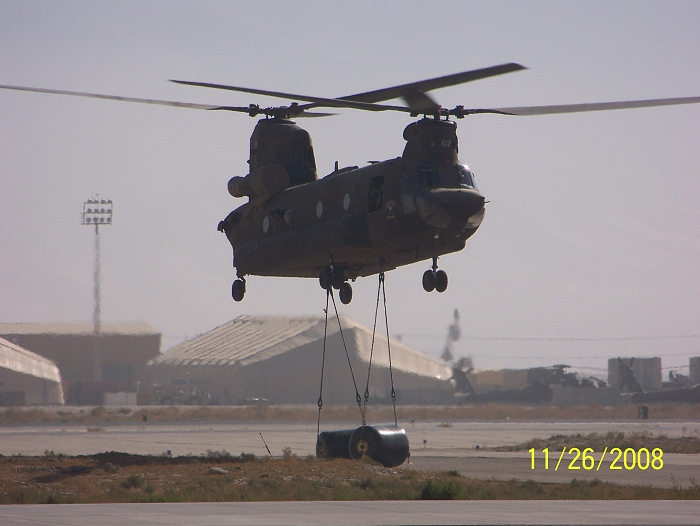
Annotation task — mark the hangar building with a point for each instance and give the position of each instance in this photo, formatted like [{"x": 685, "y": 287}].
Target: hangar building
[
  {"x": 27, "y": 378},
  {"x": 278, "y": 359},
  {"x": 125, "y": 348},
  {"x": 647, "y": 372},
  {"x": 694, "y": 373}
]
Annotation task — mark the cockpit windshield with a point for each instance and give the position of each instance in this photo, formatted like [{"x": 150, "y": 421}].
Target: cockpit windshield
[
  {"x": 467, "y": 177},
  {"x": 421, "y": 175}
]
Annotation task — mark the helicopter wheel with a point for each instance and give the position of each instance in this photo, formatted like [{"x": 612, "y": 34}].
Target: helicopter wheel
[
  {"x": 238, "y": 290},
  {"x": 345, "y": 293},
  {"x": 325, "y": 278},
  {"x": 338, "y": 278},
  {"x": 441, "y": 281},
  {"x": 430, "y": 280}
]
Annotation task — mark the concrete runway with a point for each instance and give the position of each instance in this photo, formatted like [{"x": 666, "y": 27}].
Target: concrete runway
[
  {"x": 198, "y": 437},
  {"x": 677, "y": 469},
  {"x": 351, "y": 513},
  {"x": 446, "y": 448}
]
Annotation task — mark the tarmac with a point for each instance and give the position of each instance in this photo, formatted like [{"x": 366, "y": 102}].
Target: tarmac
[
  {"x": 677, "y": 470},
  {"x": 435, "y": 446},
  {"x": 449, "y": 438},
  {"x": 447, "y": 446},
  {"x": 351, "y": 513}
]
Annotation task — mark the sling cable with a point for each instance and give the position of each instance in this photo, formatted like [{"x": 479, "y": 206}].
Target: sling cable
[{"x": 386, "y": 444}]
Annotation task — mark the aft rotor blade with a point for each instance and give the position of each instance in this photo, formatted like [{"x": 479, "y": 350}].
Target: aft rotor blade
[
  {"x": 317, "y": 101},
  {"x": 268, "y": 111},
  {"x": 423, "y": 86},
  {"x": 119, "y": 98},
  {"x": 595, "y": 106}
]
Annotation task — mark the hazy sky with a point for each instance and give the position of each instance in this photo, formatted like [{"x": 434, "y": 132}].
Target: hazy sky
[{"x": 593, "y": 225}]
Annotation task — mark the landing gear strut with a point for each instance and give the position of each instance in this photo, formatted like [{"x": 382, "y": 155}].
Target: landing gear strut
[
  {"x": 434, "y": 279},
  {"x": 335, "y": 278},
  {"x": 238, "y": 289}
]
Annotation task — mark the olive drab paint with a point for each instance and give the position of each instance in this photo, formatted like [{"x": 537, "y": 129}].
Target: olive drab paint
[{"x": 355, "y": 221}]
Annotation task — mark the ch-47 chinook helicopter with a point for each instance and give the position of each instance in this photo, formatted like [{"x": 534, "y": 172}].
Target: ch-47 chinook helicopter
[{"x": 357, "y": 221}]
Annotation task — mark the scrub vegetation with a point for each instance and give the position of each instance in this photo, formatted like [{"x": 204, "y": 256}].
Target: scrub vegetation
[
  {"x": 219, "y": 476},
  {"x": 309, "y": 413}
]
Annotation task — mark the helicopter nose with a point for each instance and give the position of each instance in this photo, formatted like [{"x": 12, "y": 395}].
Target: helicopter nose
[
  {"x": 472, "y": 201},
  {"x": 453, "y": 207},
  {"x": 460, "y": 203}
]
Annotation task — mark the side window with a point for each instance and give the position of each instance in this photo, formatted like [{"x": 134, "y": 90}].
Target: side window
[
  {"x": 375, "y": 202},
  {"x": 408, "y": 183},
  {"x": 467, "y": 177}
]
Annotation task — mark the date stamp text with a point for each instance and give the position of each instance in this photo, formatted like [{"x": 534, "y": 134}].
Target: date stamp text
[{"x": 576, "y": 459}]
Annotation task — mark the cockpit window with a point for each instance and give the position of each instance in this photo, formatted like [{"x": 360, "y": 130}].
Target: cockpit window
[
  {"x": 421, "y": 175},
  {"x": 467, "y": 177},
  {"x": 428, "y": 178}
]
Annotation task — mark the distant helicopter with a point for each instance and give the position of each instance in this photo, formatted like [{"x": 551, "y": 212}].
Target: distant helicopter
[{"x": 357, "y": 221}]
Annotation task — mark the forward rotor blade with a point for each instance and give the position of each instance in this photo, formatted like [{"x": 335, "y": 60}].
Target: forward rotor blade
[
  {"x": 305, "y": 114},
  {"x": 413, "y": 93},
  {"x": 116, "y": 97},
  {"x": 595, "y": 106},
  {"x": 439, "y": 82},
  {"x": 317, "y": 101},
  {"x": 419, "y": 102}
]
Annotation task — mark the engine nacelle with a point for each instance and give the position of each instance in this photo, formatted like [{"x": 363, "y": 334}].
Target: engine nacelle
[{"x": 260, "y": 185}]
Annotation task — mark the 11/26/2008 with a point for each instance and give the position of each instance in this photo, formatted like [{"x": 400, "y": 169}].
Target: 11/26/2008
[{"x": 627, "y": 459}]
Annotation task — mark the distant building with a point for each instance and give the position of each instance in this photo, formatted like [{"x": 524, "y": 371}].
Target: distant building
[
  {"x": 125, "y": 349},
  {"x": 498, "y": 380},
  {"x": 27, "y": 378},
  {"x": 646, "y": 372},
  {"x": 278, "y": 359},
  {"x": 694, "y": 375},
  {"x": 577, "y": 396}
]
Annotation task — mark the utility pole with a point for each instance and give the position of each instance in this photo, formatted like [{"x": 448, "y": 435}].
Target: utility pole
[{"x": 97, "y": 212}]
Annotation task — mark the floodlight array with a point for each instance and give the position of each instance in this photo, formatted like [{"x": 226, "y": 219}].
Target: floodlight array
[{"x": 97, "y": 211}]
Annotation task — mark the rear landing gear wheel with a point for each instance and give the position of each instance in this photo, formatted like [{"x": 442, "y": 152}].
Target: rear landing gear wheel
[
  {"x": 345, "y": 293},
  {"x": 441, "y": 281},
  {"x": 429, "y": 280},
  {"x": 238, "y": 290}
]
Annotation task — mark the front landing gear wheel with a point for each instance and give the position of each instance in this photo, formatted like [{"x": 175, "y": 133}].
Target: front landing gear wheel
[
  {"x": 345, "y": 293},
  {"x": 238, "y": 290},
  {"x": 429, "y": 280},
  {"x": 441, "y": 281},
  {"x": 338, "y": 278},
  {"x": 325, "y": 278}
]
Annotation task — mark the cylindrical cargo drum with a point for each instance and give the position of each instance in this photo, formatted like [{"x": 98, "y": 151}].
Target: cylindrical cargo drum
[
  {"x": 387, "y": 444},
  {"x": 334, "y": 444}
]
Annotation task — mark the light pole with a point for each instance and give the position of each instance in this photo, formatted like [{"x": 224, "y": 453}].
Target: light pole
[{"x": 97, "y": 212}]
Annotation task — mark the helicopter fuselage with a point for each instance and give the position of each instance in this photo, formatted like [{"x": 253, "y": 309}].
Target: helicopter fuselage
[{"x": 363, "y": 220}]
